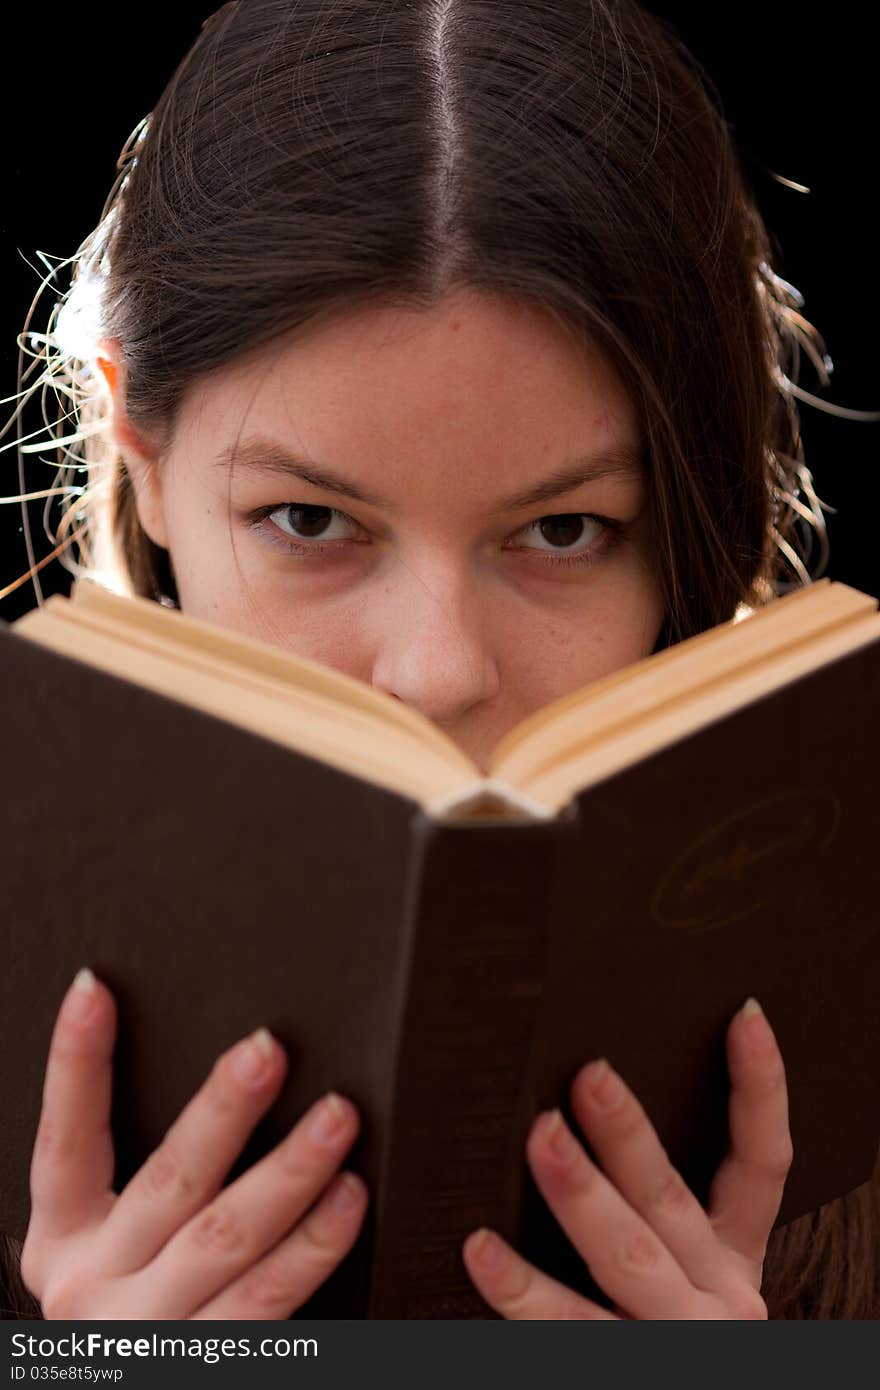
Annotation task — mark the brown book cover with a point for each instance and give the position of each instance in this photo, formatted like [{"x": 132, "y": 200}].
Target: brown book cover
[{"x": 449, "y": 978}]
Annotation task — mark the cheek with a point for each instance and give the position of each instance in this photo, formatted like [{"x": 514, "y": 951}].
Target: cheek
[
  {"x": 553, "y": 654},
  {"x": 208, "y": 584},
  {"x": 332, "y": 633},
  {"x": 333, "y": 636},
  {"x": 627, "y": 630}
]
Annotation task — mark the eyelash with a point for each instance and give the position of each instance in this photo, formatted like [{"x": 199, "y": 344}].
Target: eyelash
[{"x": 612, "y": 532}]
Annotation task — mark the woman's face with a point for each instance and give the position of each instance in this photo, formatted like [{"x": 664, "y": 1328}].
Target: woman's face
[{"x": 377, "y": 516}]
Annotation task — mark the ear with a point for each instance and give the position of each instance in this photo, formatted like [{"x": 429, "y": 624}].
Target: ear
[{"x": 138, "y": 454}]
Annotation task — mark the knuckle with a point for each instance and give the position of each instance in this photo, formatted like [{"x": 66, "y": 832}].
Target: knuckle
[
  {"x": 319, "y": 1237},
  {"x": 221, "y": 1096},
  {"x": 266, "y": 1289},
  {"x": 53, "y": 1143},
  {"x": 515, "y": 1293},
  {"x": 627, "y": 1119},
  {"x": 671, "y": 1196},
  {"x": 295, "y": 1166},
  {"x": 779, "y": 1160},
  {"x": 754, "y": 1308},
  {"x": 770, "y": 1074},
  {"x": 568, "y": 1307},
  {"x": 63, "y": 1301},
  {"x": 588, "y": 1179},
  {"x": 639, "y": 1253},
  {"x": 217, "y": 1230},
  {"x": 67, "y": 1048},
  {"x": 165, "y": 1176},
  {"x": 747, "y": 1305},
  {"x": 31, "y": 1265},
  {"x": 59, "y": 1146}
]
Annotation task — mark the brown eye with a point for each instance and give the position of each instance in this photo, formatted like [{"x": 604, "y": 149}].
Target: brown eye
[
  {"x": 303, "y": 521},
  {"x": 565, "y": 531},
  {"x": 308, "y": 521}
]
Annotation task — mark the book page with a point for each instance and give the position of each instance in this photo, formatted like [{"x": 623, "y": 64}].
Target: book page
[
  {"x": 345, "y": 738},
  {"x": 555, "y": 782},
  {"x": 592, "y": 713},
  {"x": 256, "y": 662}
]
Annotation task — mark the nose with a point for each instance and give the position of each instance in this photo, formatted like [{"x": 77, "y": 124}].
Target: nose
[{"x": 431, "y": 649}]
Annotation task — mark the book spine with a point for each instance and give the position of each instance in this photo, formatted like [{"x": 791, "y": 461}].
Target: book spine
[
  {"x": 487, "y": 799},
  {"x": 462, "y": 1091}
]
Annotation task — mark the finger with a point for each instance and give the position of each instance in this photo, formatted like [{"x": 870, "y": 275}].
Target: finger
[
  {"x": 283, "y": 1280},
  {"x": 72, "y": 1164},
  {"x": 251, "y": 1215},
  {"x": 627, "y": 1259},
  {"x": 629, "y": 1150},
  {"x": 194, "y": 1157},
  {"x": 519, "y": 1291},
  {"x": 747, "y": 1191}
]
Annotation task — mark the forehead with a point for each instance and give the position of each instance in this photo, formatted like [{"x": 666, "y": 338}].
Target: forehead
[
  {"x": 467, "y": 348},
  {"x": 476, "y": 390}
]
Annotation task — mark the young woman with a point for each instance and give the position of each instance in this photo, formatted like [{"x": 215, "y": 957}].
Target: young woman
[{"x": 438, "y": 342}]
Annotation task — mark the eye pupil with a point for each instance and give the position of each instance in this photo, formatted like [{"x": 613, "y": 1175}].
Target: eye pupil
[
  {"x": 314, "y": 519},
  {"x": 568, "y": 528}
]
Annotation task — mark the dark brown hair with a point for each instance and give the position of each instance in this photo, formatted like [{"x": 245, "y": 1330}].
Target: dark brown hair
[{"x": 308, "y": 158}]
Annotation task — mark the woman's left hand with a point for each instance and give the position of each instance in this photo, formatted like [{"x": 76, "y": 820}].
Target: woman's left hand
[{"x": 646, "y": 1239}]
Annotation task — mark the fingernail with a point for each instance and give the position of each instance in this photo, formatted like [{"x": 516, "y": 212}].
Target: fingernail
[
  {"x": 250, "y": 1060},
  {"x": 757, "y": 1029},
  {"x": 326, "y": 1119},
  {"x": 347, "y": 1194},
  {"x": 82, "y": 996},
  {"x": 487, "y": 1249},
  {"x": 605, "y": 1086},
  {"x": 557, "y": 1136}
]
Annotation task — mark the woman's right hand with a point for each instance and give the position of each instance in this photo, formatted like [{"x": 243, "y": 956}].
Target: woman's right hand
[{"x": 175, "y": 1243}]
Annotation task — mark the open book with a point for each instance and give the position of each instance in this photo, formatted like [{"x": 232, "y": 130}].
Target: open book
[{"x": 231, "y": 835}]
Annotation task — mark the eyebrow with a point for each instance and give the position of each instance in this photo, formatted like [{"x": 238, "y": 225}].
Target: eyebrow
[{"x": 264, "y": 456}]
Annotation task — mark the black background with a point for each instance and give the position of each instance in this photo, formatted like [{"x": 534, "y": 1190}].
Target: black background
[{"x": 798, "y": 85}]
